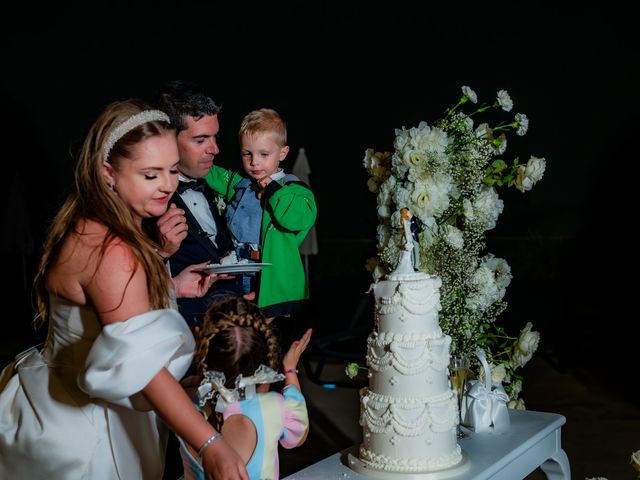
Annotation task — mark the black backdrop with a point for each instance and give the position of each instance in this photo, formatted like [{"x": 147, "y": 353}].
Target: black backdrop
[{"x": 344, "y": 79}]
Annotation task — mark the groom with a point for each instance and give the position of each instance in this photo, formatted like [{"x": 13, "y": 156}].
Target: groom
[{"x": 192, "y": 230}]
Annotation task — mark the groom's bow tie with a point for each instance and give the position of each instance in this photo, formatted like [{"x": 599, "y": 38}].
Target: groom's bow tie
[{"x": 197, "y": 185}]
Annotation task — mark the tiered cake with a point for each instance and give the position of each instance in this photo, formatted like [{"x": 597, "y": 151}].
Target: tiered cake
[{"x": 408, "y": 412}]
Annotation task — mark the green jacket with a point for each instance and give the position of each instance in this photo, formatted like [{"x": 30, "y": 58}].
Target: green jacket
[{"x": 289, "y": 212}]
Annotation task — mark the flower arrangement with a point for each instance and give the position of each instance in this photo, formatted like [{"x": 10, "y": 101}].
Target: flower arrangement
[{"x": 448, "y": 175}]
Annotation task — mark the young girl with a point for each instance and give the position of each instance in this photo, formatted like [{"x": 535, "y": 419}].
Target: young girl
[{"x": 237, "y": 357}]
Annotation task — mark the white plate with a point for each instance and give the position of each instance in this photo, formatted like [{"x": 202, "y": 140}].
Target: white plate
[{"x": 233, "y": 268}]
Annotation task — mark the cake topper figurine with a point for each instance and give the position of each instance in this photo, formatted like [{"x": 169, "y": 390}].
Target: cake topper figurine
[{"x": 412, "y": 226}]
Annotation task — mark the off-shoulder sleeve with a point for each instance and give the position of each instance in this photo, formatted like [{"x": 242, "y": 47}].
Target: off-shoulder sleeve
[
  {"x": 127, "y": 355},
  {"x": 295, "y": 417}
]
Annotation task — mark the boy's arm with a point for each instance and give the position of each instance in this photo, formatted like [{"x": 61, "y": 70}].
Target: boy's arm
[
  {"x": 222, "y": 181},
  {"x": 292, "y": 205}
]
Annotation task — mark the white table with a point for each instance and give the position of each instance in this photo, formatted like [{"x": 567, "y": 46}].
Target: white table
[{"x": 533, "y": 441}]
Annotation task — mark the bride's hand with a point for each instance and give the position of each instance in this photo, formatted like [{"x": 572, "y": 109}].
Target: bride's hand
[
  {"x": 191, "y": 282},
  {"x": 221, "y": 462}
]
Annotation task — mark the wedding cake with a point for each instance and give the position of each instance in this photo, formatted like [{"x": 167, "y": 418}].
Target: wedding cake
[{"x": 408, "y": 412}]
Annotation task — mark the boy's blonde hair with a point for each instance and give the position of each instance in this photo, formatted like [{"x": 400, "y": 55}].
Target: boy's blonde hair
[{"x": 264, "y": 120}]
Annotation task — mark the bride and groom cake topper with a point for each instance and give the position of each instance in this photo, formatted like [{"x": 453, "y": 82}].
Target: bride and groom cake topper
[{"x": 411, "y": 226}]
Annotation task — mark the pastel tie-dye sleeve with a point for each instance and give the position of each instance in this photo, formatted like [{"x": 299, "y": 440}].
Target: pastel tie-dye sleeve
[{"x": 295, "y": 419}]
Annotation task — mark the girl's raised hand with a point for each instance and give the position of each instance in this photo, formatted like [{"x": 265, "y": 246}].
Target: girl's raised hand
[{"x": 292, "y": 357}]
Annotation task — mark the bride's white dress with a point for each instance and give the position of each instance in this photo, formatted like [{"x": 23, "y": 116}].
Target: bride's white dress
[{"x": 74, "y": 411}]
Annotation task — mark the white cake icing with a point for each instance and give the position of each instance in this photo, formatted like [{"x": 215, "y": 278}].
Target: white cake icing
[{"x": 408, "y": 412}]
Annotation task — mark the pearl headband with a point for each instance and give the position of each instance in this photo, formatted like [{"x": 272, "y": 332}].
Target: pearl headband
[{"x": 128, "y": 125}]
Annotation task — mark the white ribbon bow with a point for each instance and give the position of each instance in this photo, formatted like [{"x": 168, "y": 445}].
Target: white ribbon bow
[
  {"x": 485, "y": 406},
  {"x": 213, "y": 382}
]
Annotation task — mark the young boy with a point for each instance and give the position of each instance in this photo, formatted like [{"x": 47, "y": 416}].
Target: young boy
[{"x": 268, "y": 213}]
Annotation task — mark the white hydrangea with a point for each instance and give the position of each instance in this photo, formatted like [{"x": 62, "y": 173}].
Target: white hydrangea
[
  {"x": 385, "y": 192},
  {"x": 484, "y": 289},
  {"x": 487, "y": 207},
  {"x": 402, "y": 197}
]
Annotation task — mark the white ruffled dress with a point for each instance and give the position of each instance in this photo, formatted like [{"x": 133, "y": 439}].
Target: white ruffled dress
[{"x": 74, "y": 411}]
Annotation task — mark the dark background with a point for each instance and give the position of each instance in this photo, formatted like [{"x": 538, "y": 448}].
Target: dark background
[{"x": 343, "y": 79}]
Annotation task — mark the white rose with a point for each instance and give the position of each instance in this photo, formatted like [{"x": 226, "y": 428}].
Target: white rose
[
  {"x": 525, "y": 346},
  {"x": 527, "y": 175},
  {"x": 535, "y": 168},
  {"x": 413, "y": 158},
  {"x": 498, "y": 373},
  {"x": 516, "y": 404}
]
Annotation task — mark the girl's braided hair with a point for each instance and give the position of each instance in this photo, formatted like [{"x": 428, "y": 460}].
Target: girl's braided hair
[{"x": 235, "y": 339}]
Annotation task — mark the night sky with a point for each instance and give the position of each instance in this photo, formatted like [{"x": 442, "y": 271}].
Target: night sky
[{"x": 343, "y": 80}]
